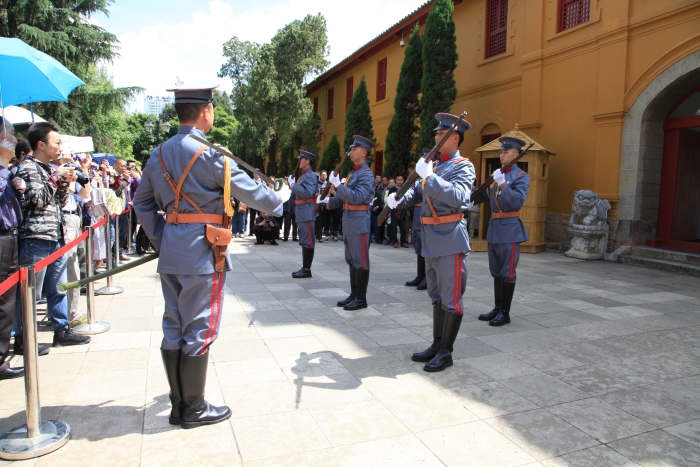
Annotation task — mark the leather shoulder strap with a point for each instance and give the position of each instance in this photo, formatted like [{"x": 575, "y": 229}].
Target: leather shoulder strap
[{"x": 176, "y": 189}]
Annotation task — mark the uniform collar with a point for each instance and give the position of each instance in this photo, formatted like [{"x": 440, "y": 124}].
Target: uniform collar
[
  {"x": 307, "y": 170},
  {"x": 186, "y": 130},
  {"x": 514, "y": 166},
  {"x": 448, "y": 156},
  {"x": 358, "y": 167}
]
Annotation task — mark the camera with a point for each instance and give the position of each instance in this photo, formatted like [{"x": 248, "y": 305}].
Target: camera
[{"x": 82, "y": 178}]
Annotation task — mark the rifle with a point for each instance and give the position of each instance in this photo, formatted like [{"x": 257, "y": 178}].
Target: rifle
[
  {"x": 324, "y": 192},
  {"x": 414, "y": 175},
  {"x": 485, "y": 186},
  {"x": 294, "y": 172}
]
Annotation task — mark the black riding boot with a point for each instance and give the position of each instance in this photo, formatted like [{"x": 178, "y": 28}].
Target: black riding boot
[
  {"x": 498, "y": 298},
  {"x": 360, "y": 301},
  {"x": 443, "y": 358},
  {"x": 423, "y": 284},
  {"x": 171, "y": 362},
  {"x": 430, "y": 352},
  {"x": 307, "y": 257},
  {"x": 193, "y": 379},
  {"x": 421, "y": 273},
  {"x": 353, "y": 288},
  {"x": 503, "y": 317}
]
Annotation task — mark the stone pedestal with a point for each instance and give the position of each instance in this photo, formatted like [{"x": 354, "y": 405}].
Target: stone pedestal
[{"x": 588, "y": 241}]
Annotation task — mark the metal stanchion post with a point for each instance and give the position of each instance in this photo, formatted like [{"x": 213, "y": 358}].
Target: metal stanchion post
[
  {"x": 128, "y": 232},
  {"x": 35, "y": 438},
  {"x": 93, "y": 326},
  {"x": 117, "y": 253},
  {"x": 110, "y": 289}
]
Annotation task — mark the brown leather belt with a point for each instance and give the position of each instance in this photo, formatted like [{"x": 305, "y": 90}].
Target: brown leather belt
[
  {"x": 505, "y": 215},
  {"x": 419, "y": 204},
  {"x": 194, "y": 218},
  {"x": 356, "y": 207},
  {"x": 305, "y": 201},
  {"x": 441, "y": 219}
]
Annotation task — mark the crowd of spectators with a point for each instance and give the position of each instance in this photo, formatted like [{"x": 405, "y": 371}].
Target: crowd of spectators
[{"x": 45, "y": 203}]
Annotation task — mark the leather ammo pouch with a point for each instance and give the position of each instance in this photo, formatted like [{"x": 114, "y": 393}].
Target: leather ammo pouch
[{"x": 218, "y": 238}]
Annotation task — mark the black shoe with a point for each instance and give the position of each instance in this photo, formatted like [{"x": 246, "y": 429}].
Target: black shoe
[
  {"x": 415, "y": 282},
  {"x": 430, "y": 352},
  {"x": 423, "y": 285},
  {"x": 294, "y": 239},
  {"x": 285, "y": 239},
  {"x": 66, "y": 337},
  {"x": 497, "y": 294},
  {"x": 302, "y": 273},
  {"x": 274, "y": 242},
  {"x": 171, "y": 362},
  {"x": 41, "y": 301},
  {"x": 11, "y": 373},
  {"x": 443, "y": 358},
  {"x": 360, "y": 300},
  {"x": 193, "y": 379},
  {"x": 42, "y": 350},
  {"x": 260, "y": 242},
  {"x": 503, "y": 317},
  {"x": 353, "y": 289},
  {"x": 83, "y": 290}
]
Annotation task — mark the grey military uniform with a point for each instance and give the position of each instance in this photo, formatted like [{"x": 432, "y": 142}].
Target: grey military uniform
[
  {"x": 416, "y": 226},
  {"x": 192, "y": 289},
  {"x": 306, "y": 188},
  {"x": 358, "y": 191},
  {"x": 505, "y": 235},
  {"x": 445, "y": 246}
]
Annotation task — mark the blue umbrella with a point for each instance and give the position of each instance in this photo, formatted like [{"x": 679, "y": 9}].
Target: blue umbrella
[
  {"x": 28, "y": 75},
  {"x": 99, "y": 157}
]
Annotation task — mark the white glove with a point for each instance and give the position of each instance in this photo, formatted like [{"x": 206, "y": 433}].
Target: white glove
[
  {"x": 498, "y": 177},
  {"x": 469, "y": 205},
  {"x": 424, "y": 169},
  {"x": 322, "y": 201},
  {"x": 291, "y": 180},
  {"x": 392, "y": 201},
  {"x": 334, "y": 179},
  {"x": 285, "y": 193}
]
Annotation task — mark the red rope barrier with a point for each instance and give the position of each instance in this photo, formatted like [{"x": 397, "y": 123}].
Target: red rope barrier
[
  {"x": 9, "y": 282},
  {"x": 57, "y": 254},
  {"x": 99, "y": 224}
]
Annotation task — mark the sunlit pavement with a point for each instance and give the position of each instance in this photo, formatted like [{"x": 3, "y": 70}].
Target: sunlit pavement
[{"x": 600, "y": 367}]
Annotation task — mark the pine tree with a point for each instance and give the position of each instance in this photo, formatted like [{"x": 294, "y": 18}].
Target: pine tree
[
  {"x": 400, "y": 152},
  {"x": 358, "y": 120},
  {"x": 438, "y": 87},
  {"x": 331, "y": 155}
]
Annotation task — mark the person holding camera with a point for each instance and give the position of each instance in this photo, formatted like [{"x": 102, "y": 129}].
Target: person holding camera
[{"x": 266, "y": 227}]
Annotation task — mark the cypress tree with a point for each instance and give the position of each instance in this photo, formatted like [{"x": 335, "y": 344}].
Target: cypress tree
[
  {"x": 358, "y": 120},
  {"x": 331, "y": 155},
  {"x": 400, "y": 152},
  {"x": 438, "y": 87}
]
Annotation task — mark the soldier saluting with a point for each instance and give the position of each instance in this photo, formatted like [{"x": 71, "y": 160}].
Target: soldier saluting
[
  {"x": 193, "y": 185},
  {"x": 354, "y": 197},
  {"x": 305, "y": 195},
  {"x": 444, "y": 190},
  {"x": 506, "y": 230}
]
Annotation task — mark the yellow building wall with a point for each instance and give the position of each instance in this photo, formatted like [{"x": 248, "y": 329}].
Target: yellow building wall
[{"x": 568, "y": 90}]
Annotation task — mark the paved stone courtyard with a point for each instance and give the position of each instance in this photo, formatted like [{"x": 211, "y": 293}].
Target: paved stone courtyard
[{"x": 600, "y": 367}]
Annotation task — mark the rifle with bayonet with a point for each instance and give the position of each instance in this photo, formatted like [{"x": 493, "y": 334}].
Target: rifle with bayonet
[
  {"x": 327, "y": 189},
  {"x": 432, "y": 155},
  {"x": 489, "y": 181}
]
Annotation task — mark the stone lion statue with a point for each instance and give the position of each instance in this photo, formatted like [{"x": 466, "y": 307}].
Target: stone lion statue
[{"x": 588, "y": 209}]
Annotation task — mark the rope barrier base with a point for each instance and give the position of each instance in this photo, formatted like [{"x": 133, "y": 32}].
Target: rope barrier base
[
  {"x": 14, "y": 445},
  {"x": 94, "y": 328},
  {"x": 113, "y": 290}
]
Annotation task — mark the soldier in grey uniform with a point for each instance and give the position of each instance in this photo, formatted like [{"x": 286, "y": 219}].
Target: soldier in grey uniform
[
  {"x": 506, "y": 230},
  {"x": 354, "y": 197},
  {"x": 445, "y": 189},
  {"x": 192, "y": 286},
  {"x": 419, "y": 282},
  {"x": 304, "y": 192}
]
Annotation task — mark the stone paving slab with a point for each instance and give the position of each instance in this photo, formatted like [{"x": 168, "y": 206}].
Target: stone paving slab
[{"x": 600, "y": 367}]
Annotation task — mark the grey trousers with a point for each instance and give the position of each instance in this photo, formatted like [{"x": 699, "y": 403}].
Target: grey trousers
[{"x": 446, "y": 277}]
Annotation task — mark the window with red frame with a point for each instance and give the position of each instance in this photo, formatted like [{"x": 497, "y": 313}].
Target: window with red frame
[
  {"x": 381, "y": 80},
  {"x": 378, "y": 162},
  {"x": 329, "y": 110},
  {"x": 486, "y": 139},
  {"x": 496, "y": 27},
  {"x": 316, "y": 105},
  {"x": 348, "y": 91},
  {"x": 573, "y": 12}
]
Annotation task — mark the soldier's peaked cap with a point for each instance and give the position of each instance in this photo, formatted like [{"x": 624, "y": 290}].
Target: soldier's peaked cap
[
  {"x": 508, "y": 142},
  {"x": 361, "y": 141},
  {"x": 193, "y": 93},
  {"x": 306, "y": 154},
  {"x": 445, "y": 121}
]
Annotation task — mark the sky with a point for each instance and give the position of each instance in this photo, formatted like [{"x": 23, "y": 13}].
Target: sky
[{"x": 163, "y": 40}]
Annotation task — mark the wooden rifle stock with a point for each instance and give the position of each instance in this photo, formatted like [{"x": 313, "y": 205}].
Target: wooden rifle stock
[
  {"x": 296, "y": 167},
  {"x": 485, "y": 186},
  {"x": 414, "y": 175},
  {"x": 324, "y": 192}
]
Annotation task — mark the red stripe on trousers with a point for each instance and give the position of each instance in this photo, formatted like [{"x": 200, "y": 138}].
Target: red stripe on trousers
[
  {"x": 219, "y": 302},
  {"x": 457, "y": 284},
  {"x": 364, "y": 251},
  {"x": 512, "y": 264},
  {"x": 212, "y": 306},
  {"x": 309, "y": 233}
]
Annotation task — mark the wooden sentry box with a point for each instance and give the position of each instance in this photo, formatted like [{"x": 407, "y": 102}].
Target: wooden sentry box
[{"x": 534, "y": 211}]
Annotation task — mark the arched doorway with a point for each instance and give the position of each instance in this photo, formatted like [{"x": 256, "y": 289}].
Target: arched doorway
[{"x": 679, "y": 198}]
